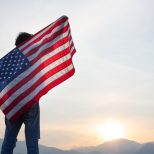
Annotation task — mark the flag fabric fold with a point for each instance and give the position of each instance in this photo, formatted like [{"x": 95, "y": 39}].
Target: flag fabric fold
[{"x": 36, "y": 66}]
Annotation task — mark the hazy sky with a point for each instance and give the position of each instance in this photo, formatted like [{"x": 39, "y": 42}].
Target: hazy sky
[{"x": 114, "y": 64}]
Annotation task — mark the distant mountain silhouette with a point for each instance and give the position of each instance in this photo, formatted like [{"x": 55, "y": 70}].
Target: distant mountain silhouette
[
  {"x": 21, "y": 149},
  {"x": 120, "y": 146},
  {"x": 147, "y": 148}
]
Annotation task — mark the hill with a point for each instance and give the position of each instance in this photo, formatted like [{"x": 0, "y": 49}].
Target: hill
[
  {"x": 21, "y": 149},
  {"x": 120, "y": 146}
]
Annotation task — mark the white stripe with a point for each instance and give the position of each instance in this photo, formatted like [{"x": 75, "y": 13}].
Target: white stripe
[
  {"x": 38, "y": 89},
  {"x": 48, "y": 45},
  {"x": 31, "y": 69},
  {"x": 71, "y": 41},
  {"x": 34, "y": 80},
  {"x": 39, "y": 34},
  {"x": 45, "y": 37},
  {"x": 72, "y": 49}
]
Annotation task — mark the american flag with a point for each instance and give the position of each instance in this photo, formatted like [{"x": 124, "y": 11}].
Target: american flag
[{"x": 36, "y": 66}]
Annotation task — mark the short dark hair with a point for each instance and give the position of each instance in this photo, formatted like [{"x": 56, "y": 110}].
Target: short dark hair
[{"x": 23, "y": 36}]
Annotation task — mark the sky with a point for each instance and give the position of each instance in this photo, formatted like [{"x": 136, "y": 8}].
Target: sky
[{"x": 114, "y": 66}]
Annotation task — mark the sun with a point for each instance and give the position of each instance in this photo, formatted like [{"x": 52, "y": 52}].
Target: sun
[{"x": 112, "y": 130}]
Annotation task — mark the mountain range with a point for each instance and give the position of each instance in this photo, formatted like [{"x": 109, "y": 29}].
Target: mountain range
[{"x": 119, "y": 146}]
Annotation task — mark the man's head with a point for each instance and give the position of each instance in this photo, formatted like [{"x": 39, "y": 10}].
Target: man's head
[{"x": 23, "y": 36}]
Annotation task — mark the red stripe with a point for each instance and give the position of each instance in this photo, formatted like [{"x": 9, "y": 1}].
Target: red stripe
[
  {"x": 31, "y": 75},
  {"x": 41, "y": 93},
  {"x": 37, "y": 83},
  {"x": 70, "y": 37},
  {"x": 73, "y": 52},
  {"x": 71, "y": 45},
  {"x": 57, "y": 23},
  {"x": 47, "y": 40}
]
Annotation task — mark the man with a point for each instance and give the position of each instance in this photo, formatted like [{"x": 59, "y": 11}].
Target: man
[{"x": 31, "y": 119}]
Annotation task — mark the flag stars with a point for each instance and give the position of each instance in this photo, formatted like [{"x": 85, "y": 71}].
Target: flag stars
[{"x": 11, "y": 65}]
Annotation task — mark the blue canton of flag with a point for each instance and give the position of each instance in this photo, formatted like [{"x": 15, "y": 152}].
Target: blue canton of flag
[{"x": 11, "y": 65}]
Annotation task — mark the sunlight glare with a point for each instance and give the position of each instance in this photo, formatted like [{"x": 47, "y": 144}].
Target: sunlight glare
[{"x": 112, "y": 130}]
